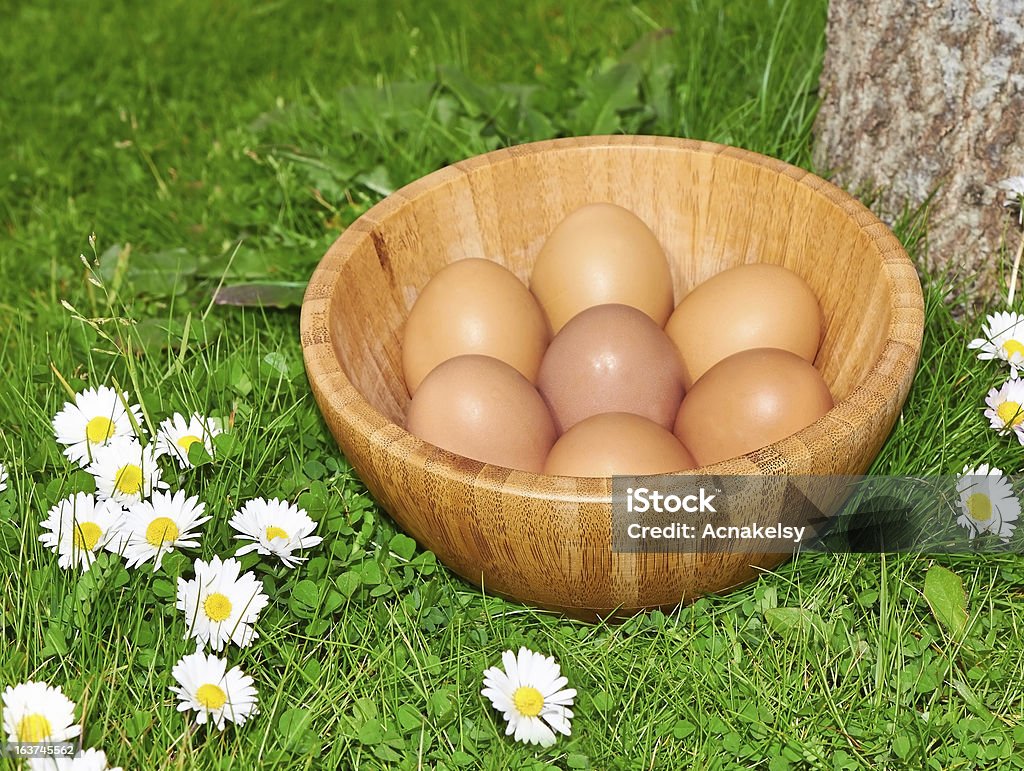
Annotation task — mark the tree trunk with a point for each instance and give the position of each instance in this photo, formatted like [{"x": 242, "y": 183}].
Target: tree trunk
[{"x": 923, "y": 97}]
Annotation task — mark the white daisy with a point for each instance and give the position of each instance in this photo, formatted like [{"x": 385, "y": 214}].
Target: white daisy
[
  {"x": 125, "y": 471},
  {"x": 275, "y": 527},
  {"x": 1014, "y": 187},
  {"x": 150, "y": 529},
  {"x": 37, "y": 712},
  {"x": 89, "y": 760},
  {"x": 3, "y": 477},
  {"x": 176, "y": 436},
  {"x": 987, "y": 501},
  {"x": 215, "y": 692},
  {"x": 1004, "y": 339},
  {"x": 529, "y": 694},
  {"x": 78, "y": 527},
  {"x": 220, "y": 605},
  {"x": 1005, "y": 411},
  {"x": 96, "y": 416}
]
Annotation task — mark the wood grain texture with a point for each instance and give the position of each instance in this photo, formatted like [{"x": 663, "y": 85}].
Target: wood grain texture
[{"x": 546, "y": 540}]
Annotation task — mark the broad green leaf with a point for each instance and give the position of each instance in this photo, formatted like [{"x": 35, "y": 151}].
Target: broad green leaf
[
  {"x": 464, "y": 759},
  {"x": 312, "y": 669},
  {"x": 317, "y": 627},
  {"x": 901, "y": 746},
  {"x": 608, "y": 94},
  {"x": 348, "y": 582},
  {"x": 313, "y": 469},
  {"x": 226, "y": 445},
  {"x": 377, "y": 180},
  {"x": 369, "y": 571},
  {"x": 138, "y": 723},
  {"x": 971, "y": 697},
  {"x": 651, "y": 47},
  {"x": 388, "y": 755},
  {"x": 164, "y": 589},
  {"x": 403, "y": 546},
  {"x": 293, "y": 726},
  {"x": 371, "y": 732},
  {"x": 333, "y": 601},
  {"x": 239, "y": 379},
  {"x": 794, "y": 622},
  {"x": 477, "y": 99},
  {"x": 306, "y": 592},
  {"x": 276, "y": 362},
  {"x": 440, "y": 704},
  {"x": 198, "y": 455},
  {"x": 160, "y": 274},
  {"x": 683, "y": 728},
  {"x": 364, "y": 709},
  {"x": 56, "y": 643},
  {"x": 172, "y": 564},
  {"x": 408, "y": 717},
  {"x": 944, "y": 592},
  {"x": 400, "y": 105}
]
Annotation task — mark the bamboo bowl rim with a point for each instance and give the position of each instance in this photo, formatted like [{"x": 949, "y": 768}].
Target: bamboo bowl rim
[{"x": 893, "y": 368}]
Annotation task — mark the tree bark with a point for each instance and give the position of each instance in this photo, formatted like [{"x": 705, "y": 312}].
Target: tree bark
[{"x": 928, "y": 97}]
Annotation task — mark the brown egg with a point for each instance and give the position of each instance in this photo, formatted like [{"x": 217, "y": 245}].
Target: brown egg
[
  {"x": 599, "y": 254},
  {"x": 749, "y": 306},
  {"x": 617, "y": 443},
  {"x": 611, "y": 358},
  {"x": 748, "y": 401},
  {"x": 482, "y": 408},
  {"x": 473, "y": 307}
]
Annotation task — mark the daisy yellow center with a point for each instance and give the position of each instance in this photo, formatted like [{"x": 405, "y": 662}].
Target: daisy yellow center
[
  {"x": 275, "y": 532},
  {"x": 211, "y": 696},
  {"x": 161, "y": 530},
  {"x": 979, "y": 506},
  {"x": 33, "y": 728},
  {"x": 528, "y": 700},
  {"x": 217, "y": 607},
  {"x": 129, "y": 479},
  {"x": 187, "y": 441},
  {"x": 1010, "y": 413},
  {"x": 99, "y": 430},
  {"x": 87, "y": 535},
  {"x": 1013, "y": 346}
]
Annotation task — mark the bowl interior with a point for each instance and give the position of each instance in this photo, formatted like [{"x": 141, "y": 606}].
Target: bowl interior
[{"x": 711, "y": 208}]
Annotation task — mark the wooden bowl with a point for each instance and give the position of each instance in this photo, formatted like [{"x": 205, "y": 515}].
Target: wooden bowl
[{"x": 546, "y": 540}]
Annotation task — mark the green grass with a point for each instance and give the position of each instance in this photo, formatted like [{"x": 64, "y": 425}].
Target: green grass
[{"x": 209, "y": 142}]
